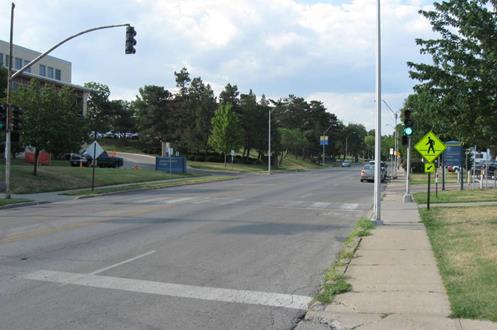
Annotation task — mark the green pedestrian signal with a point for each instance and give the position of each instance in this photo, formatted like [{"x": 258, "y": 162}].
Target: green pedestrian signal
[{"x": 407, "y": 131}]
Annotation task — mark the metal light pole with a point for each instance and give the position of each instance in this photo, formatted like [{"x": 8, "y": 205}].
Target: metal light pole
[
  {"x": 396, "y": 115},
  {"x": 408, "y": 196},
  {"x": 8, "y": 133},
  {"x": 377, "y": 173},
  {"x": 10, "y": 78},
  {"x": 324, "y": 134},
  {"x": 269, "y": 144}
]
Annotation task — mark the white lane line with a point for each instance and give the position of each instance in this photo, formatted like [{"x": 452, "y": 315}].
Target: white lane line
[
  {"x": 178, "y": 200},
  {"x": 350, "y": 206},
  {"x": 174, "y": 290},
  {"x": 319, "y": 205},
  {"x": 101, "y": 270}
]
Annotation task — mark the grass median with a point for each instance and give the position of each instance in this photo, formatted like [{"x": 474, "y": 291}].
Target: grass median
[
  {"x": 12, "y": 201},
  {"x": 151, "y": 185},
  {"x": 422, "y": 178},
  {"x": 335, "y": 280},
  {"x": 464, "y": 241},
  {"x": 57, "y": 178},
  {"x": 458, "y": 196}
]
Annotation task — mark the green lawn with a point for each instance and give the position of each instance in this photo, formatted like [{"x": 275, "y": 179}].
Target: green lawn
[
  {"x": 55, "y": 178},
  {"x": 4, "y": 202},
  {"x": 132, "y": 146},
  {"x": 423, "y": 178},
  {"x": 464, "y": 241},
  {"x": 289, "y": 164},
  {"x": 457, "y": 196}
]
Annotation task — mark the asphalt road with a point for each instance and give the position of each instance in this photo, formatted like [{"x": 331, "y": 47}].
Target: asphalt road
[{"x": 241, "y": 254}]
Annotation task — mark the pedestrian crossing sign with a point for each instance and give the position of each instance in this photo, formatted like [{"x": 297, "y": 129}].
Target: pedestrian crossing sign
[
  {"x": 430, "y": 147},
  {"x": 429, "y": 168}
]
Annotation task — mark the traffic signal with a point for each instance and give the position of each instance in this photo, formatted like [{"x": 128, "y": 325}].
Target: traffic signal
[
  {"x": 130, "y": 40},
  {"x": 16, "y": 119},
  {"x": 3, "y": 115},
  {"x": 408, "y": 122}
]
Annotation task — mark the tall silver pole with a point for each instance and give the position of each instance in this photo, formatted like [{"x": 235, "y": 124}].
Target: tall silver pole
[
  {"x": 269, "y": 145},
  {"x": 377, "y": 173},
  {"x": 396, "y": 145},
  {"x": 8, "y": 116},
  {"x": 407, "y": 196}
]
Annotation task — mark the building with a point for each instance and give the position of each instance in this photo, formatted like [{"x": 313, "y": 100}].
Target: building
[{"x": 49, "y": 70}]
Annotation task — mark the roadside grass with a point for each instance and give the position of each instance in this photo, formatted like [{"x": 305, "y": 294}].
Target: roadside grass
[
  {"x": 151, "y": 185},
  {"x": 235, "y": 167},
  {"x": 422, "y": 178},
  {"x": 457, "y": 196},
  {"x": 465, "y": 246},
  {"x": 55, "y": 178},
  {"x": 289, "y": 164},
  {"x": 335, "y": 281},
  {"x": 5, "y": 202},
  {"x": 131, "y": 146}
]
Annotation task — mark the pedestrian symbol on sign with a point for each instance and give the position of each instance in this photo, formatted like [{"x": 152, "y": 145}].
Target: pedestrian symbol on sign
[{"x": 431, "y": 142}]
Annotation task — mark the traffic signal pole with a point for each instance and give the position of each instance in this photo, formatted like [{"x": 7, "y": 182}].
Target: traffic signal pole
[
  {"x": 10, "y": 78},
  {"x": 407, "y": 196}
]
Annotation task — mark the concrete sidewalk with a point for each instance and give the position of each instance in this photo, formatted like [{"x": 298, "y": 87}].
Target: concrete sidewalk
[{"x": 395, "y": 279}]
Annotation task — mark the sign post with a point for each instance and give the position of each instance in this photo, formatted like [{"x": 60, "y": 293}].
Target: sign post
[
  {"x": 323, "y": 140},
  {"x": 430, "y": 147}
]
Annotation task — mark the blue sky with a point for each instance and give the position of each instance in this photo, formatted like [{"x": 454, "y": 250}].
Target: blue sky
[{"x": 322, "y": 50}]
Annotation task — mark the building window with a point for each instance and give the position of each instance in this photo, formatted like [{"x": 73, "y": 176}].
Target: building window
[
  {"x": 43, "y": 70},
  {"x": 57, "y": 74},
  {"x": 18, "y": 63},
  {"x": 26, "y": 62},
  {"x": 50, "y": 72},
  {"x": 7, "y": 60},
  {"x": 1, "y": 59}
]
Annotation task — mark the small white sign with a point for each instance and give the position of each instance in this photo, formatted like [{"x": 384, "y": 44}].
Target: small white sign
[
  {"x": 391, "y": 151},
  {"x": 94, "y": 148},
  {"x": 232, "y": 152}
]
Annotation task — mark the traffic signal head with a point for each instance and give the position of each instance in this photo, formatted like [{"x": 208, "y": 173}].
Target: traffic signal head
[
  {"x": 3, "y": 115},
  {"x": 408, "y": 122},
  {"x": 16, "y": 119},
  {"x": 130, "y": 40}
]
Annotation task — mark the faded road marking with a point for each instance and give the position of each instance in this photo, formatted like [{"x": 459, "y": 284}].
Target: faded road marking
[
  {"x": 101, "y": 270},
  {"x": 174, "y": 290}
]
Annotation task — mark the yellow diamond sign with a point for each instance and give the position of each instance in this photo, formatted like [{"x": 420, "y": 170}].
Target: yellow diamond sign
[
  {"x": 429, "y": 168},
  {"x": 430, "y": 147}
]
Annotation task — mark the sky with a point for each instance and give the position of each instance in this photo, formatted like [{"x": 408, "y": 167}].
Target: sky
[{"x": 319, "y": 50}]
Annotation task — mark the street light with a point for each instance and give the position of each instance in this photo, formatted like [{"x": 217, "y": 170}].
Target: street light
[
  {"x": 377, "y": 174},
  {"x": 326, "y": 131}
]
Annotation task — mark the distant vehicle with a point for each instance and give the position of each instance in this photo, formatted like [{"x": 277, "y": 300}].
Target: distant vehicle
[
  {"x": 367, "y": 173},
  {"x": 109, "y": 134},
  {"x": 102, "y": 161},
  {"x": 346, "y": 163}
]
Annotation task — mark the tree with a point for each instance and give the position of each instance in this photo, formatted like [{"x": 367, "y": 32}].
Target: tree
[
  {"x": 225, "y": 134},
  {"x": 460, "y": 86},
  {"x": 155, "y": 109},
  {"x": 123, "y": 116},
  {"x": 52, "y": 119},
  {"x": 99, "y": 107}
]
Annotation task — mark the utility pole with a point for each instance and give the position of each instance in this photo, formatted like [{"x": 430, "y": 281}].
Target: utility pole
[
  {"x": 377, "y": 169},
  {"x": 269, "y": 145},
  {"x": 407, "y": 196},
  {"x": 10, "y": 78}
]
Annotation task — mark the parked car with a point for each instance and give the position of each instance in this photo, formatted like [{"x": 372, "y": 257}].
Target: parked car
[
  {"x": 346, "y": 163},
  {"x": 102, "y": 161},
  {"x": 367, "y": 173}
]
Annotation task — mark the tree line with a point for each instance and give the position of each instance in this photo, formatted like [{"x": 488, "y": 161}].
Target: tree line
[
  {"x": 456, "y": 94},
  {"x": 192, "y": 118}
]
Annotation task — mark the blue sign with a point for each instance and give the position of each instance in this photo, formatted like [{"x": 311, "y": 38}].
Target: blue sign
[
  {"x": 323, "y": 140},
  {"x": 453, "y": 155},
  {"x": 173, "y": 164}
]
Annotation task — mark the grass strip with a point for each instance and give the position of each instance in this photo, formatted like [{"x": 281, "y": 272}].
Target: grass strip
[
  {"x": 335, "y": 280},
  {"x": 150, "y": 185},
  {"x": 464, "y": 244},
  {"x": 5, "y": 202},
  {"x": 458, "y": 196}
]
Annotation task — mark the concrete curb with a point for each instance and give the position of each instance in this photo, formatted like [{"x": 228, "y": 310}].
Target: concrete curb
[{"x": 17, "y": 205}]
